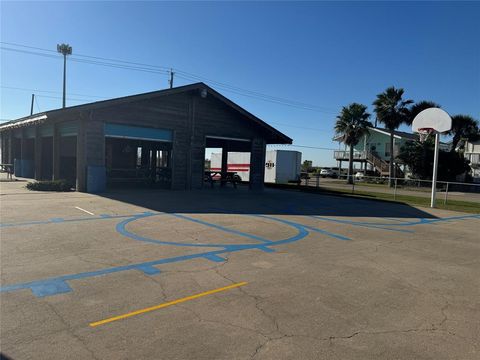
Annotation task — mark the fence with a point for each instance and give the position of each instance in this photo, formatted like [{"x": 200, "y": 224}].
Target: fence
[{"x": 446, "y": 190}]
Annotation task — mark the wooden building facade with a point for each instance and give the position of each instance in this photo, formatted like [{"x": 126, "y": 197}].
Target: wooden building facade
[{"x": 160, "y": 136}]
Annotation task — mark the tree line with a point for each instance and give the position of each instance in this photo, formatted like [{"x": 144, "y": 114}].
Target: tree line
[{"x": 393, "y": 110}]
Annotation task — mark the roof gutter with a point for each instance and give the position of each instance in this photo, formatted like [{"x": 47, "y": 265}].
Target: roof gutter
[{"x": 17, "y": 124}]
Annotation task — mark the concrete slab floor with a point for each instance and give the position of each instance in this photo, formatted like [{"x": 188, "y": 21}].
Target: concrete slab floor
[{"x": 327, "y": 277}]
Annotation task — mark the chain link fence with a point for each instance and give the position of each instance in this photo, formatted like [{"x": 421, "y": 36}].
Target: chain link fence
[{"x": 401, "y": 187}]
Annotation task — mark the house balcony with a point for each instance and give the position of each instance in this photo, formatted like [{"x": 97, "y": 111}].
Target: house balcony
[
  {"x": 474, "y": 159},
  {"x": 345, "y": 155}
]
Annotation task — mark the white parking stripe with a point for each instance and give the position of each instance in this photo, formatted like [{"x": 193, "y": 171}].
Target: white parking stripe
[{"x": 88, "y": 212}]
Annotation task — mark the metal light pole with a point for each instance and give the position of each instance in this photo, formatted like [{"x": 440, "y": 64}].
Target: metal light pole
[{"x": 64, "y": 49}]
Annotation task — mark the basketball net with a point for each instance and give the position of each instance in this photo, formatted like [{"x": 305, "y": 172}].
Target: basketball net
[{"x": 424, "y": 133}]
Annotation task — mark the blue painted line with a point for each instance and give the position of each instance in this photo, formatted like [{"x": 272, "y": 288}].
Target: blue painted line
[
  {"x": 48, "y": 288},
  {"x": 291, "y": 210},
  {"x": 57, "y": 285},
  {"x": 56, "y": 220},
  {"x": 266, "y": 249},
  {"x": 121, "y": 228},
  {"x": 215, "y": 258},
  {"x": 148, "y": 269},
  {"x": 421, "y": 221},
  {"x": 359, "y": 224},
  {"x": 325, "y": 232},
  {"x": 288, "y": 222},
  {"x": 222, "y": 228},
  {"x": 105, "y": 216}
]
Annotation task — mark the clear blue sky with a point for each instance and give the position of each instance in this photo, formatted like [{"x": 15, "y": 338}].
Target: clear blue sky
[{"x": 327, "y": 54}]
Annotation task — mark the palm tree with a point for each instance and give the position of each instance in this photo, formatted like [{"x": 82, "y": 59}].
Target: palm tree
[
  {"x": 418, "y": 107},
  {"x": 351, "y": 125},
  {"x": 464, "y": 127},
  {"x": 392, "y": 111}
]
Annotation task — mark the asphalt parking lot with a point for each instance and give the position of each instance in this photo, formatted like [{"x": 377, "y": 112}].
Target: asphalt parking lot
[{"x": 227, "y": 274}]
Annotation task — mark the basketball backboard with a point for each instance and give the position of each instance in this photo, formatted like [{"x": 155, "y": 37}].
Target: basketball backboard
[{"x": 432, "y": 118}]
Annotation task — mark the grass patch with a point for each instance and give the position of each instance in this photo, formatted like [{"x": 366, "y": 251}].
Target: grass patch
[
  {"x": 49, "y": 185},
  {"x": 454, "y": 205}
]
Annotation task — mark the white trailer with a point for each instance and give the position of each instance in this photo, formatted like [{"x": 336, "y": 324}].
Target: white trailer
[{"x": 281, "y": 166}]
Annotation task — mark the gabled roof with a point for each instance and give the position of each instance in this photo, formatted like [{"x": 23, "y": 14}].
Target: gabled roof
[
  {"x": 397, "y": 134},
  {"x": 43, "y": 116}
]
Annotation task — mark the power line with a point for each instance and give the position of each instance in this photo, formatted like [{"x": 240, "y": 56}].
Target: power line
[
  {"x": 293, "y": 102},
  {"x": 38, "y": 105},
  {"x": 182, "y": 74},
  {"x": 303, "y": 146},
  {"x": 299, "y": 127},
  {"x": 87, "y": 56},
  {"x": 59, "y": 97},
  {"x": 103, "y": 97},
  {"x": 50, "y": 92},
  {"x": 93, "y": 62}
]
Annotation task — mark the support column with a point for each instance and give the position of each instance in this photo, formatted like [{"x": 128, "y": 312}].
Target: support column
[
  {"x": 38, "y": 154},
  {"x": 257, "y": 164},
  {"x": 224, "y": 165},
  {"x": 23, "y": 151},
  {"x": 81, "y": 166},
  {"x": 153, "y": 165},
  {"x": 2, "y": 147},
  {"x": 22, "y": 144},
  {"x": 56, "y": 152},
  {"x": 10, "y": 147}
]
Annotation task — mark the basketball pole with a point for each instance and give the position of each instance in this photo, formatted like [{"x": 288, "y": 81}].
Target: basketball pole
[{"x": 435, "y": 168}]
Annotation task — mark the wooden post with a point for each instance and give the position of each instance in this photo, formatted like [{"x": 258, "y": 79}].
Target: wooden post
[
  {"x": 257, "y": 164},
  {"x": 224, "y": 165},
  {"x": 56, "y": 152},
  {"x": 81, "y": 167},
  {"x": 38, "y": 154}
]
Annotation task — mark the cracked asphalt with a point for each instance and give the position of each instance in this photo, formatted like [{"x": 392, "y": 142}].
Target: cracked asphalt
[{"x": 398, "y": 288}]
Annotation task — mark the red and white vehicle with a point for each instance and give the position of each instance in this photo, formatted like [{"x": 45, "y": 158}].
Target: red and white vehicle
[{"x": 281, "y": 166}]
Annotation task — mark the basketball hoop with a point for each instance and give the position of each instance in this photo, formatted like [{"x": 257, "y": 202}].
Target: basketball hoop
[
  {"x": 424, "y": 133},
  {"x": 427, "y": 122}
]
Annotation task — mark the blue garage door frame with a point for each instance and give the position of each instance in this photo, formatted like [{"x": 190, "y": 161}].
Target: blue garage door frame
[{"x": 137, "y": 132}]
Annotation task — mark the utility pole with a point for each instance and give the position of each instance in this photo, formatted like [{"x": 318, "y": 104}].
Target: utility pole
[
  {"x": 171, "y": 78},
  {"x": 65, "y": 50},
  {"x": 31, "y": 107}
]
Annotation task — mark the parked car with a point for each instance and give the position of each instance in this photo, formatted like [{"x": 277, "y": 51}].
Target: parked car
[
  {"x": 359, "y": 176},
  {"x": 327, "y": 173}
]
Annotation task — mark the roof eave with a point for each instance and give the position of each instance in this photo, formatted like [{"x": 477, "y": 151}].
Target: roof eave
[{"x": 24, "y": 122}]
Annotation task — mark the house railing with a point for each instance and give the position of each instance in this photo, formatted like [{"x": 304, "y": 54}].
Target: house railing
[
  {"x": 376, "y": 161},
  {"x": 474, "y": 158},
  {"x": 345, "y": 155}
]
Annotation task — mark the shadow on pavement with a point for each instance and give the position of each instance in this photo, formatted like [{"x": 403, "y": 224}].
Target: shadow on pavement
[{"x": 271, "y": 202}]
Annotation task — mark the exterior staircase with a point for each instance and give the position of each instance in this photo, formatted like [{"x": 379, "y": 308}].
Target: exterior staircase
[{"x": 382, "y": 166}]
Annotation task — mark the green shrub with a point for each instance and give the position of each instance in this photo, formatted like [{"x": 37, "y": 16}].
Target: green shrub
[{"x": 49, "y": 185}]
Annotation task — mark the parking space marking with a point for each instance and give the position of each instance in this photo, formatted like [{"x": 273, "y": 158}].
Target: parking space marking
[
  {"x": 86, "y": 211},
  {"x": 164, "y": 305},
  {"x": 58, "y": 285}
]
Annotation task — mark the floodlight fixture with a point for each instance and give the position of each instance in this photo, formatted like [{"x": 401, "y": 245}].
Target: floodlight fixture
[{"x": 65, "y": 50}]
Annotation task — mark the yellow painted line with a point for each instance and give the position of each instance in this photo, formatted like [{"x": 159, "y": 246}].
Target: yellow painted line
[{"x": 160, "y": 306}]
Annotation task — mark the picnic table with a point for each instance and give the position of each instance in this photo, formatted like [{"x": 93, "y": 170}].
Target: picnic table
[
  {"x": 7, "y": 168},
  {"x": 230, "y": 176}
]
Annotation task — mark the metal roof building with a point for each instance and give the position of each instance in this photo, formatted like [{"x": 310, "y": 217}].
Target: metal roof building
[{"x": 158, "y": 136}]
